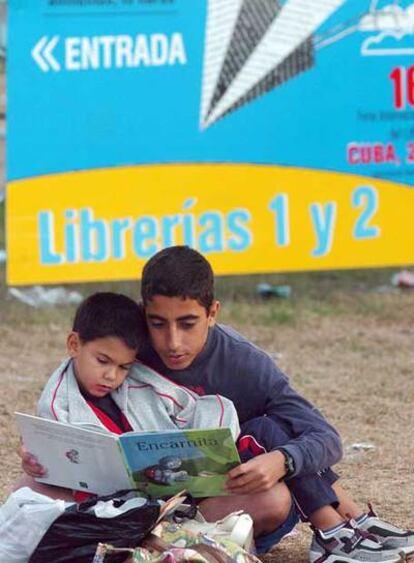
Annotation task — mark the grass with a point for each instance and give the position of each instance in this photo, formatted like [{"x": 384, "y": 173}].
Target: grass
[
  {"x": 315, "y": 296},
  {"x": 345, "y": 346}
]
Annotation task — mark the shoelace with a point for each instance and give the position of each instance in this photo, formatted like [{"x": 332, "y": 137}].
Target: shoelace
[
  {"x": 358, "y": 536},
  {"x": 367, "y": 535},
  {"x": 371, "y": 511}
]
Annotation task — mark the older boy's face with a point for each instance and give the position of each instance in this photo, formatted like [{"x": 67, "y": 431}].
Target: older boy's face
[
  {"x": 178, "y": 328},
  {"x": 101, "y": 365}
]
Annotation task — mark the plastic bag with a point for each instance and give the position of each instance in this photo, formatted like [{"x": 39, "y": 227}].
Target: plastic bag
[
  {"x": 24, "y": 519},
  {"x": 73, "y": 536},
  {"x": 38, "y": 296}
]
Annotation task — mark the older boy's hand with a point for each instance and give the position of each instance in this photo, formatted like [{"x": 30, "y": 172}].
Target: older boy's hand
[
  {"x": 259, "y": 474},
  {"x": 30, "y": 465}
]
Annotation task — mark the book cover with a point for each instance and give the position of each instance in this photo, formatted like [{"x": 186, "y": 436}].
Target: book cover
[
  {"x": 159, "y": 463},
  {"x": 164, "y": 463}
]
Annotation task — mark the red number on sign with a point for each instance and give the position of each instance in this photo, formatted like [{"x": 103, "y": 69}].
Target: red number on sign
[
  {"x": 403, "y": 82},
  {"x": 396, "y": 77},
  {"x": 410, "y": 85}
]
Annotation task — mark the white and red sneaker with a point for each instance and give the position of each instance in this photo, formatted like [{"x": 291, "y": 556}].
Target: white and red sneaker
[
  {"x": 351, "y": 545},
  {"x": 389, "y": 535}
]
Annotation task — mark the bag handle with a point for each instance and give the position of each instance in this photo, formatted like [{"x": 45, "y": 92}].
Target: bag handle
[{"x": 85, "y": 505}]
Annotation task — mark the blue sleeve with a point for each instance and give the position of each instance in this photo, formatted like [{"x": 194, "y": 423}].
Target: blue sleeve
[{"x": 315, "y": 444}]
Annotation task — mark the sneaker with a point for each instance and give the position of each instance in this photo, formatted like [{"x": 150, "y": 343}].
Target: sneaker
[
  {"x": 350, "y": 545},
  {"x": 389, "y": 535}
]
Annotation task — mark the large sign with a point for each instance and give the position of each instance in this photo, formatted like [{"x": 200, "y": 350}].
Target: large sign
[{"x": 272, "y": 135}]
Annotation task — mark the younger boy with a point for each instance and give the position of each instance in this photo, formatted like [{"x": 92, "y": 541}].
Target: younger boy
[{"x": 102, "y": 384}]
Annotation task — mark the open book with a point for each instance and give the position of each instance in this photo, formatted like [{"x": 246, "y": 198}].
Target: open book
[{"x": 159, "y": 463}]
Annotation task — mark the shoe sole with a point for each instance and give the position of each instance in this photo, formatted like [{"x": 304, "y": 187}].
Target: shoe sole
[{"x": 332, "y": 558}]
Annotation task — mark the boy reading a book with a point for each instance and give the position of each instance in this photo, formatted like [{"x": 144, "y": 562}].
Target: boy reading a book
[{"x": 101, "y": 384}]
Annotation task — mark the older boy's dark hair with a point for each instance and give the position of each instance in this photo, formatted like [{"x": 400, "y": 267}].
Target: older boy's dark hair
[
  {"x": 110, "y": 314},
  {"x": 178, "y": 271}
]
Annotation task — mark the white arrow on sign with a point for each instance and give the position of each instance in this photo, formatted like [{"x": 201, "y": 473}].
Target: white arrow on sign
[{"x": 42, "y": 53}]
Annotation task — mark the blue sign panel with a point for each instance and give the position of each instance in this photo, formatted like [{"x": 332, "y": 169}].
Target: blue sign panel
[{"x": 137, "y": 93}]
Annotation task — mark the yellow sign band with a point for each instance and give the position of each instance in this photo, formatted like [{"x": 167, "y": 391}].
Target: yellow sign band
[{"x": 104, "y": 224}]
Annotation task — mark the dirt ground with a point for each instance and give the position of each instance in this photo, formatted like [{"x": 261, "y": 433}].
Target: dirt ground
[{"x": 351, "y": 353}]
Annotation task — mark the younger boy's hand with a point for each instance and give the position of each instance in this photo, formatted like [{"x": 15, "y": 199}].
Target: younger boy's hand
[
  {"x": 259, "y": 474},
  {"x": 30, "y": 465}
]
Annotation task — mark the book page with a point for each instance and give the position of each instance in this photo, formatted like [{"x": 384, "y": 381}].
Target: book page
[{"x": 75, "y": 457}]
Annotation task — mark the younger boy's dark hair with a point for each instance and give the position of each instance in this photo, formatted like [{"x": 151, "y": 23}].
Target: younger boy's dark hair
[
  {"x": 178, "y": 271},
  {"x": 110, "y": 314}
]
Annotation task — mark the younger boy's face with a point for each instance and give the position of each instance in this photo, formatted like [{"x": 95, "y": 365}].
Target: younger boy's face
[
  {"x": 178, "y": 328},
  {"x": 101, "y": 365}
]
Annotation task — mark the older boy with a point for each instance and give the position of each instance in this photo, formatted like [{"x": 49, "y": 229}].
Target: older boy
[{"x": 189, "y": 347}]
